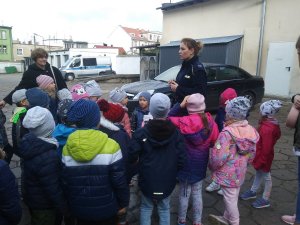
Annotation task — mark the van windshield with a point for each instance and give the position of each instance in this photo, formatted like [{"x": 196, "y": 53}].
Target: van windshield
[{"x": 66, "y": 63}]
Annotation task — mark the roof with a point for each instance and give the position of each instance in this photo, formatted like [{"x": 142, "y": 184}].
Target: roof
[
  {"x": 137, "y": 32},
  {"x": 214, "y": 40},
  {"x": 181, "y": 4}
]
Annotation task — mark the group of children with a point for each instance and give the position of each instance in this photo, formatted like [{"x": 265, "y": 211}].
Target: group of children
[{"x": 79, "y": 152}]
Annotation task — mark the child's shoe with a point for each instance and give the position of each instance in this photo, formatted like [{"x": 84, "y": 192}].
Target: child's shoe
[
  {"x": 220, "y": 192},
  {"x": 248, "y": 195},
  {"x": 261, "y": 203},
  {"x": 213, "y": 186},
  {"x": 289, "y": 219},
  {"x": 217, "y": 220}
]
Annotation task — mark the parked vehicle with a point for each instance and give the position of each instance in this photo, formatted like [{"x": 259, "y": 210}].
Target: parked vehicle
[
  {"x": 80, "y": 66},
  {"x": 219, "y": 77}
]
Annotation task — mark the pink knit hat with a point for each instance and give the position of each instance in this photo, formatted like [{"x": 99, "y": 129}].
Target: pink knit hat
[
  {"x": 43, "y": 81},
  {"x": 195, "y": 103},
  {"x": 78, "y": 92}
]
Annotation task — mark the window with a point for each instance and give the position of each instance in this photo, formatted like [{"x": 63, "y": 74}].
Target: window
[
  {"x": 19, "y": 51},
  {"x": 89, "y": 62},
  {"x": 132, "y": 34},
  {"x": 3, "y": 34},
  {"x": 226, "y": 73},
  {"x": 75, "y": 63},
  {"x": 3, "y": 49}
]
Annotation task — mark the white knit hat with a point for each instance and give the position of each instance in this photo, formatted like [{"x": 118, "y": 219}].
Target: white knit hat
[
  {"x": 19, "y": 95},
  {"x": 39, "y": 121},
  {"x": 93, "y": 88}
]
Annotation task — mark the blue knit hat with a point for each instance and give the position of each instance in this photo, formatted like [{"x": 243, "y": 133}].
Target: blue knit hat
[
  {"x": 37, "y": 97},
  {"x": 146, "y": 95},
  {"x": 84, "y": 114}
]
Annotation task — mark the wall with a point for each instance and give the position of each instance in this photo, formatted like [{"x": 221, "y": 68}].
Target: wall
[
  {"x": 7, "y": 41},
  {"x": 128, "y": 65},
  {"x": 18, "y": 65},
  {"x": 119, "y": 38},
  {"x": 217, "y": 18}
]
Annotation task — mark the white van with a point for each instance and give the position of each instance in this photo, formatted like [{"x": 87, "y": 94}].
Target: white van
[{"x": 80, "y": 66}]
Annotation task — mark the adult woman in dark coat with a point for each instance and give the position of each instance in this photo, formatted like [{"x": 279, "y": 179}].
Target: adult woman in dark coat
[
  {"x": 191, "y": 77},
  {"x": 40, "y": 66}
]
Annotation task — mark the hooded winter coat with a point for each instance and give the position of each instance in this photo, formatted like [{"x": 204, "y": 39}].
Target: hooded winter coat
[
  {"x": 269, "y": 132},
  {"x": 94, "y": 175},
  {"x": 42, "y": 168},
  {"x": 10, "y": 208},
  {"x": 29, "y": 79},
  {"x": 159, "y": 149},
  {"x": 197, "y": 143},
  {"x": 233, "y": 150}
]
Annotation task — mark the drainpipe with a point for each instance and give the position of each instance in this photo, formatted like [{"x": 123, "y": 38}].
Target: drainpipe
[{"x": 261, "y": 36}]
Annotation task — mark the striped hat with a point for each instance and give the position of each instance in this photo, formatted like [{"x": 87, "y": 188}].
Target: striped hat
[{"x": 43, "y": 81}]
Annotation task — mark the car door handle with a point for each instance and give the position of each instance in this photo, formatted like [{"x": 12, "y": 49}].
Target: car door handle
[{"x": 288, "y": 68}]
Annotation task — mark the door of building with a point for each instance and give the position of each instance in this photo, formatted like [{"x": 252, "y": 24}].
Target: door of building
[{"x": 279, "y": 67}]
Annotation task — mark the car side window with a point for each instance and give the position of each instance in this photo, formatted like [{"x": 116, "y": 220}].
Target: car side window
[
  {"x": 227, "y": 73},
  {"x": 89, "y": 62},
  {"x": 76, "y": 63},
  {"x": 211, "y": 74}
]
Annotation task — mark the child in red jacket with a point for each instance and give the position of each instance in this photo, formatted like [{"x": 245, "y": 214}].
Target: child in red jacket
[{"x": 269, "y": 132}]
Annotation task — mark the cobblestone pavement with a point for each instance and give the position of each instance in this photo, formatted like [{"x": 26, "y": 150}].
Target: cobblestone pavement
[{"x": 284, "y": 176}]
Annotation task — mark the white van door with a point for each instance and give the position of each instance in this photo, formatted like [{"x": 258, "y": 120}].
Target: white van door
[
  {"x": 76, "y": 67},
  {"x": 89, "y": 66}
]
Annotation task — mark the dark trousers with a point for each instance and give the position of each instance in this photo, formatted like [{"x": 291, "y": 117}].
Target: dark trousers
[
  {"x": 110, "y": 221},
  {"x": 43, "y": 217}
]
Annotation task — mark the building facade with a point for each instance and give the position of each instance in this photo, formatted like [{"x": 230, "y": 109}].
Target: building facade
[
  {"x": 129, "y": 38},
  {"x": 269, "y": 29},
  {"x": 6, "y": 49}
]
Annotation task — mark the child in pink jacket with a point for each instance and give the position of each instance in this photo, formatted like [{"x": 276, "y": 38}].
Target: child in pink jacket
[{"x": 228, "y": 160}]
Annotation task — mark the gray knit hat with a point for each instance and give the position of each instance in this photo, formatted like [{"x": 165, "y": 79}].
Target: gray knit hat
[
  {"x": 39, "y": 121},
  {"x": 117, "y": 95},
  {"x": 238, "y": 108},
  {"x": 159, "y": 105},
  {"x": 64, "y": 93},
  {"x": 19, "y": 95},
  {"x": 93, "y": 88}
]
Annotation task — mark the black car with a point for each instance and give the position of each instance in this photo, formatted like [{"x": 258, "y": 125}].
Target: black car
[{"x": 219, "y": 78}]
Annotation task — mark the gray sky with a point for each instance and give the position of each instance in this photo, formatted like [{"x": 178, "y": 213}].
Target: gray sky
[{"x": 88, "y": 20}]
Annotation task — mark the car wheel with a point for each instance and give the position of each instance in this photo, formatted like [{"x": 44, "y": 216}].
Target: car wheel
[
  {"x": 70, "y": 76},
  {"x": 251, "y": 97},
  {"x": 102, "y": 73}
]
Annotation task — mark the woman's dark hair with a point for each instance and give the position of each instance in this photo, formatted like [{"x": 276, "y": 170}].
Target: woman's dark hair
[
  {"x": 298, "y": 43},
  {"x": 191, "y": 43},
  {"x": 205, "y": 122},
  {"x": 39, "y": 53}
]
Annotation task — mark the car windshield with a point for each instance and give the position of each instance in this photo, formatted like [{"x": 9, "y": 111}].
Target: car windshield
[{"x": 169, "y": 74}]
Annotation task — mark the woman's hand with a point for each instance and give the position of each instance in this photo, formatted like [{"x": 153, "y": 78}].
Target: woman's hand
[
  {"x": 184, "y": 101},
  {"x": 173, "y": 85},
  {"x": 2, "y": 104}
]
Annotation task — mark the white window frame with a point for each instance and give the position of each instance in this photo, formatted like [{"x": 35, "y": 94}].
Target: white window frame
[{"x": 20, "y": 50}]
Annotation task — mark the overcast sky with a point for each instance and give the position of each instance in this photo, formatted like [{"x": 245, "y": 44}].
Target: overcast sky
[{"x": 83, "y": 20}]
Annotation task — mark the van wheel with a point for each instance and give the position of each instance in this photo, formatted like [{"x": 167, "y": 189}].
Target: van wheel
[
  {"x": 70, "y": 76},
  {"x": 102, "y": 73}
]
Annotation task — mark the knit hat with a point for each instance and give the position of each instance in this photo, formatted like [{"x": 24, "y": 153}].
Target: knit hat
[
  {"x": 238, "y": 108},
  {"x": 63, "y": 107},
  {"x": 270, "y": 108},
  {"x": 117, "y": 95},
  {"x": 43, "y": 81},
  {"x": 78, "y": 92},
  {"x": 195, "y": 103},
  {"x": 39, "y": 121},
  {"x": 84, "y": 114},
  {"x": 64, "y": 94},
  {"x": 159, "y": 105},
  {"x": 146, "y": 95},
  {"x": 19, "y": 95},
  {"x": 227, "y": 95},
  {"x": 93, "y": 88},
  {"x": 37, "y": 97},
  {"x": 112, "y": 112}
]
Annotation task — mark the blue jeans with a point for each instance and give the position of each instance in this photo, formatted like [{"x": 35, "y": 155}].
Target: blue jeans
[
  {"x": 298, "y": 195},
  {"x": 163, "y": 207}
]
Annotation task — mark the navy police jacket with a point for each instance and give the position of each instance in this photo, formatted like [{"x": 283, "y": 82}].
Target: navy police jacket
[{"x": 191, "y": 79}]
